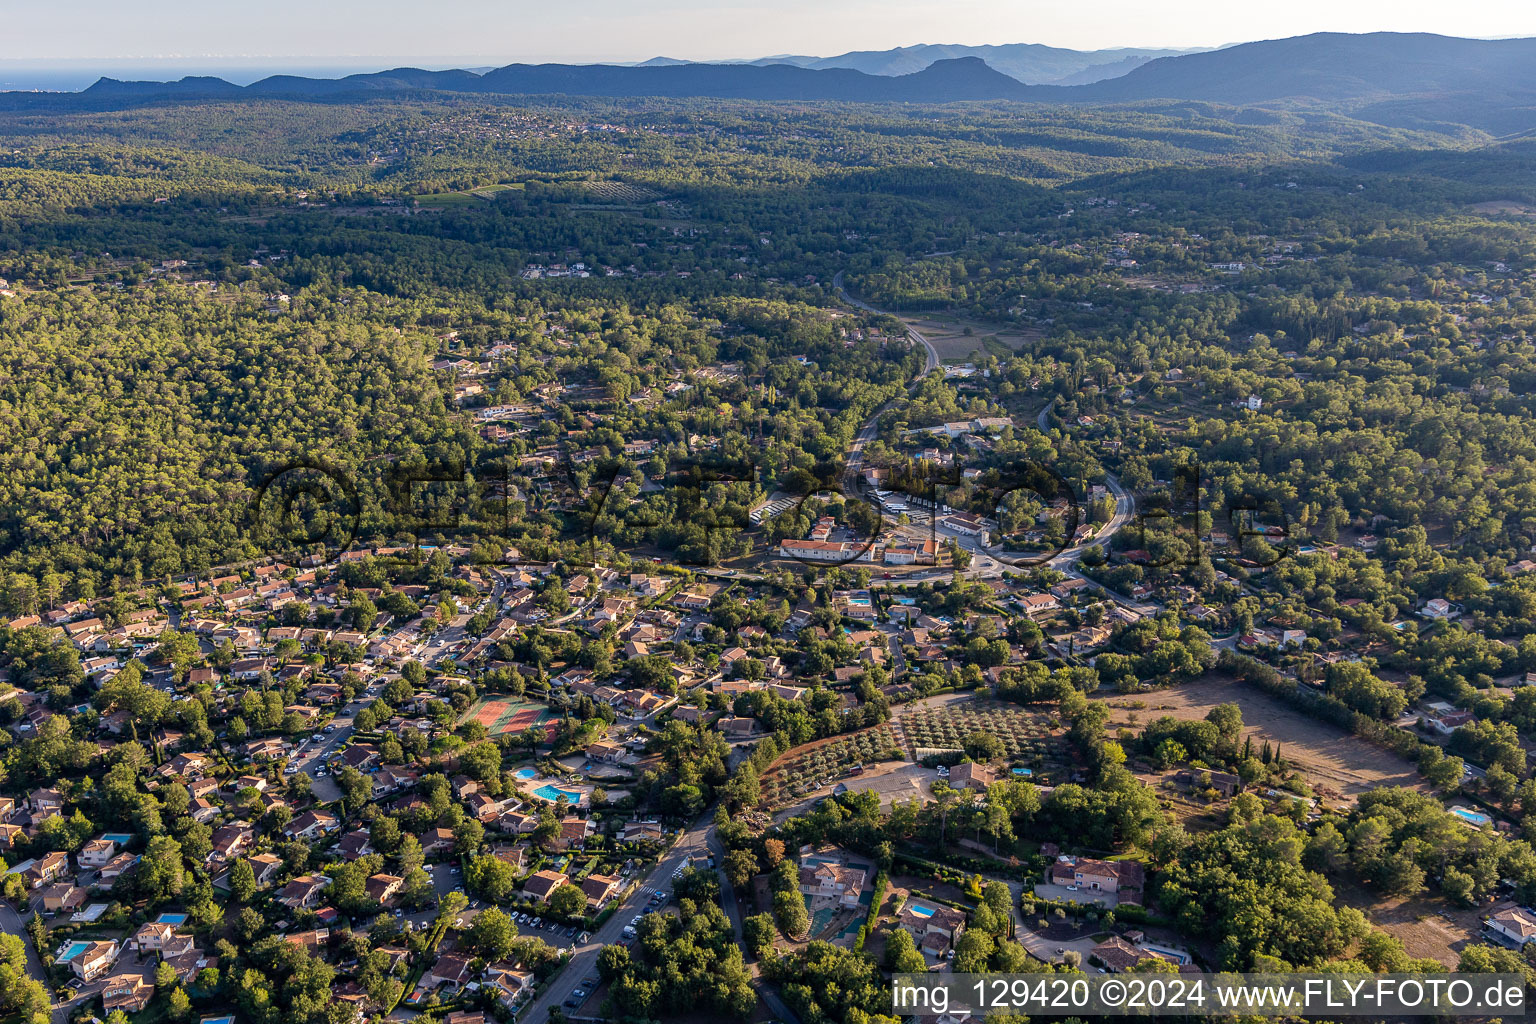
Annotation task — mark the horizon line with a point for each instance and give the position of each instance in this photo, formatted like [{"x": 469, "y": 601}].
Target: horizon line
[{"x": 40, "y": 63}]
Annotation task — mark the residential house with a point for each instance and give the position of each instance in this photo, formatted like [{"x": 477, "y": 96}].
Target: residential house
[
  {"x": 229, "y": 841},
  {"x": 599, "y": 889},
  {"x": 94, "y": 960},
  {"x": 311, "y": 824},
  {"x": 832, "y": 884},
  {"x": 114, "y": 868},
  {"x": 50, "y": 867},
  {"x": 1516, "y": 926},
  {"x": 1035, "y": 604},
  {"x": 1124, "y": 878},
  {"x": 151, "y": 937},
  {"x": 451, "y": 970},
  {"x": 541, "y": 883},
  {"x": 302, "y": 892},
  {"x": 574, "y": 832},
  {"x": 97, "y": 852},
  {"x": 266, "y": 867},
  {"x": 128, "y": 992},
  {"x": 970, "y": 775},
  {"x": 59, "y": 897},
  {"x": 933, "y": 926},
  {"x": 383, "y": 888},
  {"x": 1117, "y": 956}
]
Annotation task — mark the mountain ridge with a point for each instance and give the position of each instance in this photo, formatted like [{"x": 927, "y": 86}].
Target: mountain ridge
[{"x": 1403, "y": 78}]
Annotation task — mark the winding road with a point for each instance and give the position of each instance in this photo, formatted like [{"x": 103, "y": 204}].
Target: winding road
[
  {"x": 983, "y": 564},
  {"x": 912, "y": 332}
]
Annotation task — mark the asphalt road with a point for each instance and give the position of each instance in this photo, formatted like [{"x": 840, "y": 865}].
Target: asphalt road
[
  {"x": 315, "y": 756},
  {"x": 912, "y": 332},
  {"x": 694, "y": 842},
  {"x": 12, "y": 923}
]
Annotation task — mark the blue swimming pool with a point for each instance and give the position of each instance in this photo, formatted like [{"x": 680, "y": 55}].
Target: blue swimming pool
[
  {"x": 922, "y": 911},
  {"x": 527, "y": 773},
  {"x": 553, "y": 793},
  {"x": 72, "y": 950},
  {"x": 176, "y": 919},
  {"x": 1470, "y": 816}
]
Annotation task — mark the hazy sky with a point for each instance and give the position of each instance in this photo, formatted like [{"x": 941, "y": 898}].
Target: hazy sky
[{"x": 507, "y": 30}]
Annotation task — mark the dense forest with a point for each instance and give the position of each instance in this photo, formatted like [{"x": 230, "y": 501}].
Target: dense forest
[{"x": 190, "y": 314}]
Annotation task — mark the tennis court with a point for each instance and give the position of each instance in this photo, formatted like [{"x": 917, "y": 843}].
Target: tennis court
[{"x": 500, "y": 716}]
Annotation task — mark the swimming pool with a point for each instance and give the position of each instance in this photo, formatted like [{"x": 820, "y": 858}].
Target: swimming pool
[
  {"x": 176, "y": 919},
  {"x": 922, "y": 911},
  {"x": 1470, "y": 816},
  {"x": 526, "y": 773},
  {"x": 553, "y": 793},
  {"x": 1024, "y": 771},
  {"x": 1166, "y": 954},
  {"x": 73, "y": 950}
]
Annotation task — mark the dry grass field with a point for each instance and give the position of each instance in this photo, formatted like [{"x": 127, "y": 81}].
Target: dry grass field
[
  {"x": 1339, "y": 765},
  {"x": 1426, "y": 927},
  {"x": 947, "y": 333}
]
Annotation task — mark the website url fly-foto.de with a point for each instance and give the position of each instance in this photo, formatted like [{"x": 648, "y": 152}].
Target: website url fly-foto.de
[{"x": 1263, "y": 994}]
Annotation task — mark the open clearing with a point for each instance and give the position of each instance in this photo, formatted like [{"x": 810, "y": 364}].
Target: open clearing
[
  {"x": 1427, "y": 927},
  {"x": 468, "y": 197},
  {"x": 947, "y": 333},
  {"x": 1338, "y": 764},
  {"x": 1506, "y": 206}
]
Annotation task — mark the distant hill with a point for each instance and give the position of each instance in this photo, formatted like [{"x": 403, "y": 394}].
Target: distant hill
[
  {"x": 1408, "y": 80},
  {"x": 944, "y": 81},
  {"x": 1333, "y": 66},
  {"x": 966, "y": 78},
  {"x": 1031, "y": 63}
]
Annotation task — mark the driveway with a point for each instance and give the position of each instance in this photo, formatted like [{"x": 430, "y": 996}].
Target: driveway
[
  {"x": 1087, "y": 897},
  {"x": 1053, "y": 951}
]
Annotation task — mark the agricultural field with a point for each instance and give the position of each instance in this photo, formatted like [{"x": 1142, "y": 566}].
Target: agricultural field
[
  {"x": 439, "y": 200},
  {"x": 936, "y": 727},
  {"x": 807, "y": 768},
  {"x": 621, "y": 192},
  {"x": 468, "y": 197}
]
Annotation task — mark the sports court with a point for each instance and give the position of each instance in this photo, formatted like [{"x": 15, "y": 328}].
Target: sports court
[{"x": 501, "y": 715}]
